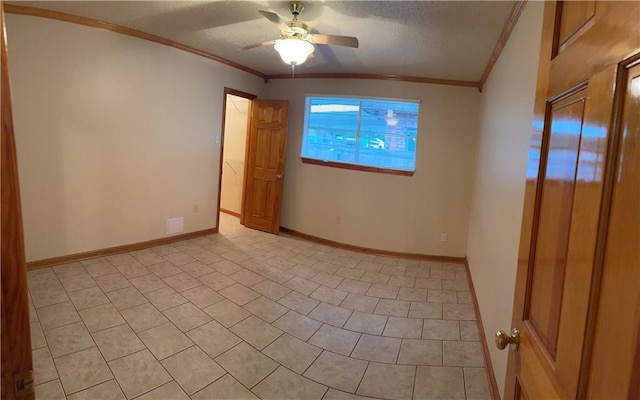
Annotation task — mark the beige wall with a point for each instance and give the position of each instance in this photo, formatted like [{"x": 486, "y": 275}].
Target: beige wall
[
  {"x": 398, "y": 213},
  {"x": 504, "y": 130},
  {"x": 235, "y": 135},
  {"x": 114, "y": 135}
]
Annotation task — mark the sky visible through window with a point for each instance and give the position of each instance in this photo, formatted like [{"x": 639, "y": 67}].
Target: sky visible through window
[{"x": 361, "y": 131}]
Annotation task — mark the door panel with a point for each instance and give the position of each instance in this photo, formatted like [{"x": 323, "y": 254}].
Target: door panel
[
  {"x": 585, "y": 225},
  {"x": 573, "y": 16},
  {"x": 618, "y": 312},
  {"x": 566, "y": 208},
  {"x": 566, "y": 226},
  {"x": 612, "y": 35},
  {"x": 265, "y": 165},
  {"x": 552, "y": 240}
]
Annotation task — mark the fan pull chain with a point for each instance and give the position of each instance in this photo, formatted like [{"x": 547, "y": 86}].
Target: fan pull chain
[{"x": 293, "y": 71}]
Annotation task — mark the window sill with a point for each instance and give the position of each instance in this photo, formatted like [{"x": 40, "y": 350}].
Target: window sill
[{"x": 354, "y": 167}]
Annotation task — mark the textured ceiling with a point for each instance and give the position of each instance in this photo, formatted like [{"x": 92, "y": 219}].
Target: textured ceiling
[{"x": 429, "y": 39}]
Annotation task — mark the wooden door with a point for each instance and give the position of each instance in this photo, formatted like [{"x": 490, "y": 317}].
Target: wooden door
[
  {"x": 264, "y": 181},
  {"x": 17, "y": 378},
  {"x": 577, "y": 303}
]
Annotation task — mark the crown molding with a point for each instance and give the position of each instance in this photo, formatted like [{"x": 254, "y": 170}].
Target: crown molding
[
  {"x": 39, "y": 12},
  {"x": 384, "y": 77},
  {"x": 516, "y": 11}
]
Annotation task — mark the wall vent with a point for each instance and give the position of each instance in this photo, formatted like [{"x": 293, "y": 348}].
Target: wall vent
[{"x": 175, "y": 225}]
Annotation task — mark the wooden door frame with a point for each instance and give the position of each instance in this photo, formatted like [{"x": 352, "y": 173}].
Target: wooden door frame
[
  {"x": 250, "y": 97},
  {"x": 16, "y": 339},
  {"x": 531, "y": 195}
]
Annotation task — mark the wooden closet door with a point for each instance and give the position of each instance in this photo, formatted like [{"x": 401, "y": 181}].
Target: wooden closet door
[{"x": 266, "y": 147}]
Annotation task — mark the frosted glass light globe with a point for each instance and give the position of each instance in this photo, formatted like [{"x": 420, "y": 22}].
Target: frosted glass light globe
[{"x": 294, "y": 51}]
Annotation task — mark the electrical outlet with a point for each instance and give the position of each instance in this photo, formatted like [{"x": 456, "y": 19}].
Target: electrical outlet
[
  {"x": 338, "y": 220},
  {"x": 195, "y": 208},
  {"x": 443, "y": 237}
]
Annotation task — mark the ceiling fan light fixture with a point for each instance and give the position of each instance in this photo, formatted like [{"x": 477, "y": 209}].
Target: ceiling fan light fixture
[{"x": 294, "y": 51}]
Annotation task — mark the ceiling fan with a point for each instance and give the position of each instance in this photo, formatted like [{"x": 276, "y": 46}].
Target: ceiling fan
[{"x": 297, "y": 44}]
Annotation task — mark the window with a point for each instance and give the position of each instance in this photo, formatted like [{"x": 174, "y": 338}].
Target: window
[{"x": 368, "y": 134}]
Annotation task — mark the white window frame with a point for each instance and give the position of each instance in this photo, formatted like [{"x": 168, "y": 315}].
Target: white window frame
[{"x": 355, "y": 165}]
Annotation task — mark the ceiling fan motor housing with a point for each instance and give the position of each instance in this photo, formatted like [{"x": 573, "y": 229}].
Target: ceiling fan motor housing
[
  {"x": 296, "y": 8},
  {"x": 299, "y": 30}
]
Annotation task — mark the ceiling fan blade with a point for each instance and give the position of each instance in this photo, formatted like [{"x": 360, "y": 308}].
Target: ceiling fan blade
[
  {"x": 347, "y": 41},
  {"x": 276, "y": 20},
  {"x": 253, "y": 46}
]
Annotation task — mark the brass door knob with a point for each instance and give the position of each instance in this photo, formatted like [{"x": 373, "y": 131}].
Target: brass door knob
[
  {"x": 503, "y": 339},
  {"x": 278, "y": 177}
]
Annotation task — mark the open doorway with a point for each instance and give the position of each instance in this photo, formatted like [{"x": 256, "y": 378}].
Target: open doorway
[
  {"x": 235, "y": 126},
  {"x": 252, "y": 159}
]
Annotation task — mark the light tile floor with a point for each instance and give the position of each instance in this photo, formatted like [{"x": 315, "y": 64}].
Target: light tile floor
[{"x": 243, "y": 314}]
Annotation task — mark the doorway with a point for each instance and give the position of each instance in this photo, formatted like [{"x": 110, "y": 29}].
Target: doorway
[
  {"x": 235, "y": 126},
  {"x": 255, "y": 194}
]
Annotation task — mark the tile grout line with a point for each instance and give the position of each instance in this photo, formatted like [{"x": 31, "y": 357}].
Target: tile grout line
[
  {"x": 415, "y": 381},
  {"x": 362, "y": 377}
]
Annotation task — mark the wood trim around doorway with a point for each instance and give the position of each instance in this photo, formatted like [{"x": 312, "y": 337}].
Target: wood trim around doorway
[
  {"x": 15, "y": 327},
  {"x": 235, "y": 214},
  {"x": 249, "y": 97}
]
